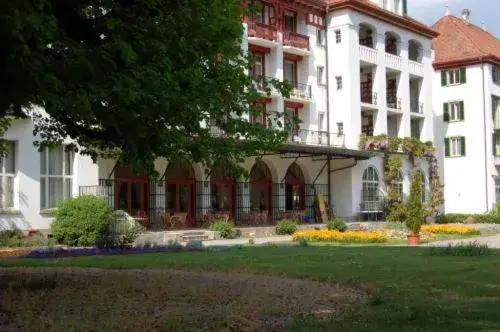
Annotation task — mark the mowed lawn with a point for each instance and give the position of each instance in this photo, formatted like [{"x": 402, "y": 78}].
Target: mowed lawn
[{"x": 405, "y": 289}]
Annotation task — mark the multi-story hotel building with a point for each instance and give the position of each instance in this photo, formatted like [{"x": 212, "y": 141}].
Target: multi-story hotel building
[{"x": 356, "y": 67}]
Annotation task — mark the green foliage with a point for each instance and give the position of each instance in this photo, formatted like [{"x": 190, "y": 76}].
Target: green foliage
[
  {"x": 415, "y": 216},
  {"x": 224, "y": 227},
  {"x": 163, "y": 68},
  {"x": 79, "y": 221},
  {"x": 454, "y": 218},
  {"x": 15, "y": 239},
  {"x": 303, "y": 242},
  {"x": 336, "y": 224},
  {"x": 10, "y": 238},
  {"x": 474, "y": 248},
  {"x": 286, "y": 227},
  {"x": 119, "y": 232},
  {"x": 394, "y": 201}
]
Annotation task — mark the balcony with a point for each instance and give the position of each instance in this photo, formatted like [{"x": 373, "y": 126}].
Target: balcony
[
  {"x": 393, "y": 61},
  {"x": 300, "y": 92},
  {"x": 393, "y": 103},
  {"x": 317, "y": 138},
  {"x": 262, "y": 34},
  {"x": 295, "y": 43},
  {"x": 263, "y": 84},
  {"x": 416, "y": 68},
  {"x": 367, "y": 54},
  {"x": 368, "y": 96}
]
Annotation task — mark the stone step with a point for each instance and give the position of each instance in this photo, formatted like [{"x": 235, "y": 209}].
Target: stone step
[{"x": 196, "y": 237}]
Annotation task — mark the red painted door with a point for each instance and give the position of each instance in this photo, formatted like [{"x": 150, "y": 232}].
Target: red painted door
[{"x": 180, "y": 197}]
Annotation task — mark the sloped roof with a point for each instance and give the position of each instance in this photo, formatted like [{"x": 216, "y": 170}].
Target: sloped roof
[
  {"x": 463, "y": 43},
  {"x": 371, "y": 9}
]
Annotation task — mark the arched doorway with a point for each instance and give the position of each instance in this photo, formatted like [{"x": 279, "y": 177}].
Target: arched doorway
[
  {"x": 180, "y": 179},
  {"x": 294, "y": 189},
  {"x": 261, "y": 188},
  {"x": 222, "y": 192},
  {"x": 131, "y": 191}
]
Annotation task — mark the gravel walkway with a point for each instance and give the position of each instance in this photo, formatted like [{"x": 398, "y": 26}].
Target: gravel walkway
[{"x": 491, "y": 241}]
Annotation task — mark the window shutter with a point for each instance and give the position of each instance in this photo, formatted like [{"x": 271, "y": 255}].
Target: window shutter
[
  {"x": 463, "y": 78},
  {"x": 462, "y": 139},
  {"x": 443, "y": 77},
  {"x": 461, "y": 110},
  {"x": 446, "y": 147},
  {"x": 446, "y": 112}
]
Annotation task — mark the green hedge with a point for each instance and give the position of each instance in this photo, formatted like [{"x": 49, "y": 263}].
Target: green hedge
[{"x": 452, "y": 218}]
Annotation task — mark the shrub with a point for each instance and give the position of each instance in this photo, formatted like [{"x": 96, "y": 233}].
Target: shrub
[
  {"x": 120, "y": 232},
  {"x": 462, "y": 249},
  {"x": 286, "y": 227},
  {"x": 415, "y": 208},
  {"x": 455, "y": 218},
  {"x": 80, "y": 221},
  {"x": 336, "y": 224},
  {"x": 15, "y": 239},
  {"x": 9, "y": 238},
  {"x": 224, "y": 227},
  {"x": 303, "y": 242}
]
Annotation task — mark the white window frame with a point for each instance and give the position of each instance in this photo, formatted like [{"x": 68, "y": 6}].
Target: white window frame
[
  {"x": 453, "y": 76},
  {"x": 496, "y": 74},
  {"x": 338, "y": 36},
  {"x": 339, "y": 81},
  {"x": 7, "y": 178},
  {"x": 454, "y": 111},
  {"x": 397, "y": 185},
  {"x": 320, "y": 37},
  {"x": 455, "y": 146},
  {"x": 370, "y": 185},
  {"x": 321, "y": 75},
  {"x": 66, "y": 177}
]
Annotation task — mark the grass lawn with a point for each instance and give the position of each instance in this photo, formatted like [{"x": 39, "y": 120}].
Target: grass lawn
[{"x": 403, "y": 289}]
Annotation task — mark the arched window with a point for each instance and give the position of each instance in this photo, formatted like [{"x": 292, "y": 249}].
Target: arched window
[
  {"x": 260, "y": 187},
  {"x": 415, "y": 51},
  {"x": 131, "y": 191},
  {"x": 392, "y": 43},
  {"x": 295, "y": 188},
  {"x": 370, "y": 183},
  {"x": 366, "y": 35}
]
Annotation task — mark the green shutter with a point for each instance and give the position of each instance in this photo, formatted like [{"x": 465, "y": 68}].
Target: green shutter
[
  {"x": 446, "y": 147},
  {"x": 443, "y": 77},
  {"x": 461, "y": 110},
  {"x": 494, "y": 143},
  {"x": 446, "y": 112},
  {"x": 463, "y": 78},
  {"x": 463, "y": 145}
]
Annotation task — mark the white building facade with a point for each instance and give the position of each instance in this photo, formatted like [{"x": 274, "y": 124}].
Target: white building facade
[
  {"x": 356, "y": 67},
  {"x": 467, "y": 109}
]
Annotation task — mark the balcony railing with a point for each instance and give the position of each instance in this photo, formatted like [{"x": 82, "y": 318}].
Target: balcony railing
[
  {"x": 368, "y": 96},
  {"x": 300, "y": 91},
  {"x": 368, "y": 54},
  {"x": 394, "y": 103},
  {"x": 261, "y": 30},
  {"x": 393, "y": 61},
  {"x": 416, "y": 68},
  {"x": 319, "y": 138},
  {"x": 295, "y": 39},
  {"x": 416, "y": 106}
]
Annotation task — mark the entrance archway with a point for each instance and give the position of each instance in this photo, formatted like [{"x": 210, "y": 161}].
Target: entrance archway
[
  {"x": 131, "y": 191},
  {"x": 295, "y": 188},
  {"x": 180, "y": 179},
  {"x": 261, "y": 188},
  {"x": 222, "y": 192}
]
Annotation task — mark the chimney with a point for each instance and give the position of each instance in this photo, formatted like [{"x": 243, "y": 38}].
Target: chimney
[
  {"x": 466, "y": 15},
  {"x": 483, "y": 26}
]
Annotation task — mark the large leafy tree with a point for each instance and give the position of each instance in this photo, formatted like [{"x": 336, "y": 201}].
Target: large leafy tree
[{"x": 139, "y": 79}]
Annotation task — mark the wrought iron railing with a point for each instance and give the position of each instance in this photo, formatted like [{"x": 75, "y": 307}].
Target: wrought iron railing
[
  {"x": 295, "y": 39},
  {"x": 368, "y": 96}
]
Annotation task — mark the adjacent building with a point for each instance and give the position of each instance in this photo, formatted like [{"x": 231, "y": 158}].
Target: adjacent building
[
  {"x": 467, "y": 113},
  {"x": 356, "y": 67}
]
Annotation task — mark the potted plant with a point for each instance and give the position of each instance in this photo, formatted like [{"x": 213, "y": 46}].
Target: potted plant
[{"x": 415, "y": 214}]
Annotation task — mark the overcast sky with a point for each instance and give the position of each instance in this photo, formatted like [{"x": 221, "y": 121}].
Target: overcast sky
[{"x": 430, "y": 11}]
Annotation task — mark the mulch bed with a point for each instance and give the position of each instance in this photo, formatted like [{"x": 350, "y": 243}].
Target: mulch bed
[{"x": 56, "y": 299}]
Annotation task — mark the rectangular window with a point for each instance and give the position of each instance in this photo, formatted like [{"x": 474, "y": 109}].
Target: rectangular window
[
  {"x": 7, "y": 175},
  {"x": 321, "y": 75},
  {"x": 340, "y": 128},
  {"x": 261, "y": 117},
  {"x": 454, "y": 111},
  {"x": 56, "y": 176},
  {"x": 290, "y": 72},
  {"x": 321, "y": 121},
  {"x": 453, "y": 76},
  {"x": 290, "y": 21},
  {"x": 339, "y": 82},
  {"x": 320, "y": 37},
  {"x": 338, "y": 36},
  {"x": 455, "y": 146},
  {"x": 496, "y": 74}
]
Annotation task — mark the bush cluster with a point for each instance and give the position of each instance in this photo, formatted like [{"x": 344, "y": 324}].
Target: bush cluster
[
  {"x": 453, "y": 218},
  {"x": 16, "y": 239},
  {"x": 336, "y": 224},
  {"x": 286, "y": 227},
  {"x": 87, "y": 221},
  {"x": 224, "y": 227}
]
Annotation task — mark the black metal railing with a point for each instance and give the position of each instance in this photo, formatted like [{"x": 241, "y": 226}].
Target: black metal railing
[{"x": 150, "y": 202}]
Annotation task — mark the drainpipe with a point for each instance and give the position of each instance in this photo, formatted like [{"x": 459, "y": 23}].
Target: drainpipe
[
  {"x": 329, "y": 158},
  {"x": 485, "y": 143}
]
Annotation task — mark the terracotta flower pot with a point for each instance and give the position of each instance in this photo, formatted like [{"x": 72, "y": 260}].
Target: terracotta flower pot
[{"x": 413, "y": 239}]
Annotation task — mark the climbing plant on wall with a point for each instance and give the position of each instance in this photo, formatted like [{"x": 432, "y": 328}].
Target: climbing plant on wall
[{"x": 393, "y": 148}]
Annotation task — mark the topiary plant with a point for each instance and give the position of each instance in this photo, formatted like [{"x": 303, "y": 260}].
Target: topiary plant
[
  {"x": 286, "y": 227},
  {"x": 79, "y": 221},
  {"x": 415, "y": 214},
  {"x": 336, "y": 224}
]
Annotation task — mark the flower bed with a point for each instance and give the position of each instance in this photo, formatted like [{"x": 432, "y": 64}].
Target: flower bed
[
  {"x": 451, "y": 229},
  {"x": 342, "y": 237}
]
